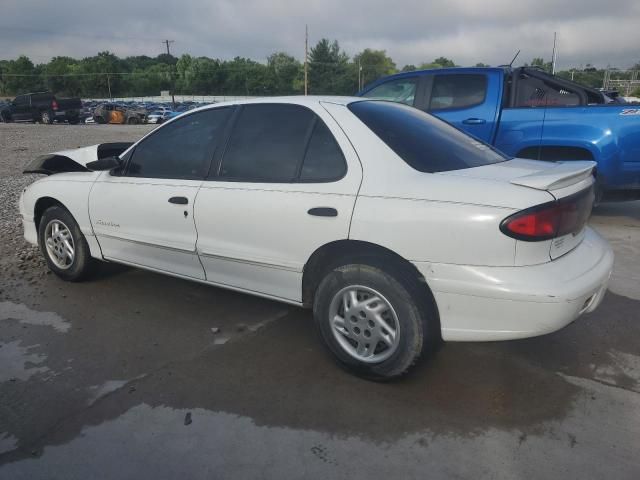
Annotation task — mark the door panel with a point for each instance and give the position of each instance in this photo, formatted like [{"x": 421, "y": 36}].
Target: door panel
[
  {"x": 468, "y": 101},
  {"x": 134, "y": 222},
  {"x": 257, "y": 233},
  {"x": 258, "y": 237}
]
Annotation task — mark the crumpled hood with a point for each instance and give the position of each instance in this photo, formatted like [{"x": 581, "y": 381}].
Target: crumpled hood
[{"x": 74, "y": 160}]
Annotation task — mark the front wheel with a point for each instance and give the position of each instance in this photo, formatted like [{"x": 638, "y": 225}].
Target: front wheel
[
  {"x": 374, "y": 322},
  {"x": 63, "y": 245}
]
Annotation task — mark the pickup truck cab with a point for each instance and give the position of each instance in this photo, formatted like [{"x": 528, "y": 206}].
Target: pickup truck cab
[
  {"x": 41, "y": 107},
  {"x": 527, "y": 113}
]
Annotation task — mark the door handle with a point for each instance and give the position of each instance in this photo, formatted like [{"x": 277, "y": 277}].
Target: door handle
[
  {"x": 474, "y": 121},
  {"x": 323, "y": 212},
  {"x": 179, "y": 200}
]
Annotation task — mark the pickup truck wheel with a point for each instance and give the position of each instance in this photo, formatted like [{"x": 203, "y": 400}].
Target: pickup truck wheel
[
  {"x": 5, "y": 117},
  {"x": 47, "y": 118},
  {"x": 63, "y": 245},
  {"x": 371, "y": 321},
  {"x": 74, "y": 121}
]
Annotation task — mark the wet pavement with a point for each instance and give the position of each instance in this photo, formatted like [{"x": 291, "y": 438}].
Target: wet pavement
[{"x": 138, "y": 375}]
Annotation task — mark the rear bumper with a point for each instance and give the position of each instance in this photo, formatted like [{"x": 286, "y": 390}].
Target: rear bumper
[{"x": 503, "y": 303}]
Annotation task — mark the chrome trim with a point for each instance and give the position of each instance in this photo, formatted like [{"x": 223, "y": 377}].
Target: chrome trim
[
  {"x": 255, "y": 263},
  {"x": 146, "y": 244}
]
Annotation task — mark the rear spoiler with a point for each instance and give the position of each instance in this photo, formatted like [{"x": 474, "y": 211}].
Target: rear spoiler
[
  {"x": 562, "y": 175},
  {"x": 74, "y": 160}
]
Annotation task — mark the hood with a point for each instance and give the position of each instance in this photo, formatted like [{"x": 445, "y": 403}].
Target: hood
[
  {"x": 535, "y": 174},
  {"x": 74, "y": 160}
]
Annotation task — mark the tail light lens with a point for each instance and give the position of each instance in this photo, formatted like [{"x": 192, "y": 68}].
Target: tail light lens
[
  {"x": 550, "y": 220},
  {"x": 54, "y": 105}
]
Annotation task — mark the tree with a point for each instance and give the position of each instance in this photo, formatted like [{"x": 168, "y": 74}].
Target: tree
[
  {"x": 440, "y": 62},
  {"x": 20, "y": 76},
  {"x": 59, "y": 76},
  {"x": 409, "y": 68},
  {"x": 480, "y": 65},
  {"x": 374, "y": 64},
  {"x": 285, "y": 74},
  {"x": 329, "y": 70}
]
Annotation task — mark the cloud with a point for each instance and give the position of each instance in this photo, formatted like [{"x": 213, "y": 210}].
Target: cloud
[{"x": 412, "y": 31}]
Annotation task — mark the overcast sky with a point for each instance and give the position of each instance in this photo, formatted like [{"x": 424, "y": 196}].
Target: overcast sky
[{"x": 411, "y": 31}]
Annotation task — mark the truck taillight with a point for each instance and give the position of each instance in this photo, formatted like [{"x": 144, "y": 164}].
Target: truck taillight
[
  {"x": 550, "y": 220},
  {"x": 54, "y": 105}
]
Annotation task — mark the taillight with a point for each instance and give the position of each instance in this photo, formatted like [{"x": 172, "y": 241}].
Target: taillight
[
  {"x": 550, "y": 220},
  {"x": 54, "y": 105}
]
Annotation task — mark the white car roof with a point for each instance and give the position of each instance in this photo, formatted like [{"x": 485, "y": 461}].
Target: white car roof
[{"x": 293, "y": 99}]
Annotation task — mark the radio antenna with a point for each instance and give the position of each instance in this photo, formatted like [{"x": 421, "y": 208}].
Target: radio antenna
[{"x": 514, "y": 58}]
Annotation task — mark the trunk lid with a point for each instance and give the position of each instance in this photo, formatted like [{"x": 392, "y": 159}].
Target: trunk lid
[{"x": 570, "y": 185}]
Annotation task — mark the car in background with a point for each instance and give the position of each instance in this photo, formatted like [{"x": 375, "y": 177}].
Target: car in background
[
  {"x": 115, "y": 113},
  {"x": 159, "y": 116},
  {"x": 528, "y": 113},
  {"x": 41, "y": 107},
  {"x": 396, "y": 228}
]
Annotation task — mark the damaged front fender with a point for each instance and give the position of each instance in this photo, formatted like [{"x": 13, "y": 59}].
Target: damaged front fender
[{"x": 75, "y": 160}]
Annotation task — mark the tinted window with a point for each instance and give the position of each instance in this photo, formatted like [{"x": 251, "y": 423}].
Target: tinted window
[
  {"x": 535, "y": 92},
  {"x": 402, "y": 90},
  {"x": 181, "y": 149},
  {"x": 20, "y": 100},
  {"x": 267, "y": 143},
  {"x": 457, "y": 91},
  {"x": 425, "y": 142},
  {"x": 324, "y": 160}
]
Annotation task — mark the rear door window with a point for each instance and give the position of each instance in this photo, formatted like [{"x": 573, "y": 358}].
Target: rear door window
[
  {"x": 281, "y": 143},
  {"x": 535, "y": 92},
  {"x": 423, "y": 141},
  {"x": 457, "y": 91},
  {"x": 402, "y": 90}
]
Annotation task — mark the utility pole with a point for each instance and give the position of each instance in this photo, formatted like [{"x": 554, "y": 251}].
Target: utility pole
[
  {"x": 173, "y": 80},
  {"x": 359, "y": 75},
  {"x": 109, "y": 87},
  {"x": 306, "y": 59},
  {"x": 554, "y": 56}
]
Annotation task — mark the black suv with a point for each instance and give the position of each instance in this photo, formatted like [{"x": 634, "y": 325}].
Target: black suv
[{"x": 41, "y": 107}]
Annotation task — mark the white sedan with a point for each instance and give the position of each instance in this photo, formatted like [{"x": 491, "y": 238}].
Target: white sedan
[{"x": 396, "y": 228}]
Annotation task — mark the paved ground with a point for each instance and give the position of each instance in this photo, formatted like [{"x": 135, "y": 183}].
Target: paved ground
[{"x": 122, "y": 377}]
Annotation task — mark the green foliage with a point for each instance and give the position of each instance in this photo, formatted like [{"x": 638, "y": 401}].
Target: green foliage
[
  {"x": 440, "y": 62},
  {"x": 373, "y": 64},
  {"x": 330, "y": 72}
]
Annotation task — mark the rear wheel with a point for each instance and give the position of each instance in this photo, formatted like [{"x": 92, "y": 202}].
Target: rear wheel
[
  {"x": 63, "y": 245},
  {"x": 374, "y": 321}
]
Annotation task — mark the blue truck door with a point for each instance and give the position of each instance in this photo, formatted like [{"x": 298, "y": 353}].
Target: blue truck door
[{"x": 469, "y": 101}]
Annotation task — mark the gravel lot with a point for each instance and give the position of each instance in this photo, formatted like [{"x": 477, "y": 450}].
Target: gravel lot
[{"x": 138, "y": 375}]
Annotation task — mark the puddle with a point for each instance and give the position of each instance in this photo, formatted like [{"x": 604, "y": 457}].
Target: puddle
[
  {"x": 98, "y": 391},
  {"x": 24, "y": 315},
  {"x": 225, "y": 445},
  {"x": 7, "y": 442},
  {"x": 17, "y": 363}
]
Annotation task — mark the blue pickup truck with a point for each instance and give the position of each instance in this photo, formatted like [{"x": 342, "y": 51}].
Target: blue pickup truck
[{"x": 528, "y": 113}]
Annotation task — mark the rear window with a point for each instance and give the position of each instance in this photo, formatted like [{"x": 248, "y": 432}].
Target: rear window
[{"x": 425, "y": 142}]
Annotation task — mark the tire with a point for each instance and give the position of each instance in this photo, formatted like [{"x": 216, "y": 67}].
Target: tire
[
  {"x": 73, "y": 267},
  {"x": 99, "y": 119},
  {"x": 132, "y": 121},
  {"x": 408, "y": 331},
  {"x": 74, "y": 121},
  {"x": 5, "y": 117},
  {"x": 46, "y": 117}
]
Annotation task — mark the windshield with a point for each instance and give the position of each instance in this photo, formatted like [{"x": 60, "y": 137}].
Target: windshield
[{"x": 425, "y": 142}]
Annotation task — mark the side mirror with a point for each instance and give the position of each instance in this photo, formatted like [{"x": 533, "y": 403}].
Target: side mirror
[{"x": 107, "y": 163}]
